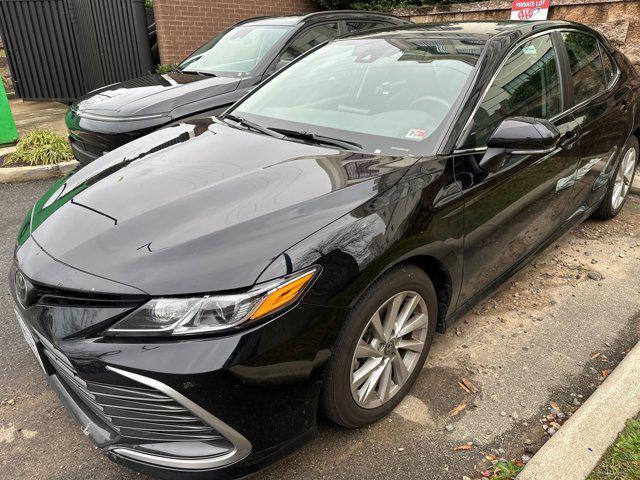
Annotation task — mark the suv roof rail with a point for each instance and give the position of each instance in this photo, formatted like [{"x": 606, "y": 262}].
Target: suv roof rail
[{"x": 355, "y": 12}]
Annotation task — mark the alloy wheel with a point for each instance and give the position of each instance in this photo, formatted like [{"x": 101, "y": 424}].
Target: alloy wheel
[
  {"x": 623, "y": 178},
  {"x": 389, "y": 349}
]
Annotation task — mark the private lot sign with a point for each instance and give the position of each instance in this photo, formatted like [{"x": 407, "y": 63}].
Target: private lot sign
[{"x": 530, "y": 9}]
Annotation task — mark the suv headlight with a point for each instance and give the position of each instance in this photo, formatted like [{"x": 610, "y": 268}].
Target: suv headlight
[{"x": 195, "y": 315}]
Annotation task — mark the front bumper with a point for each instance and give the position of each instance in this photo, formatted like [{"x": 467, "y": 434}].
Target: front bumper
[{"x": 249, "y": 397}]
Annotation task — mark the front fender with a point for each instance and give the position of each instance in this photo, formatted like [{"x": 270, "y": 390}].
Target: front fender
[{"x": 419, "y": 218}]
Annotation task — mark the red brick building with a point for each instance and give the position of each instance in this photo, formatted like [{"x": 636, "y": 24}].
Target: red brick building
[{"x": 184, "y": 25}]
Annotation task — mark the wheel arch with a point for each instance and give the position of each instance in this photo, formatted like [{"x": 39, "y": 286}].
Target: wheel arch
[
  {"x": 434, "y": 268},
  {"x": 442, "y": 283}
]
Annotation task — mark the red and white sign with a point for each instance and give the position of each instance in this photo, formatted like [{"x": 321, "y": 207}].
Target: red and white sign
[{"x": 530, "y": 9}]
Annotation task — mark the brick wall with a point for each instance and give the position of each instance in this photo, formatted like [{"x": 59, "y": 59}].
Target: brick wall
[
  {"x": 184, "y": 25},
  {"x": 618, "y": 20}
]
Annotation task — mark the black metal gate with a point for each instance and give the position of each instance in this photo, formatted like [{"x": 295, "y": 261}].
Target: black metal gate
[{"x": 61, "y": 49}]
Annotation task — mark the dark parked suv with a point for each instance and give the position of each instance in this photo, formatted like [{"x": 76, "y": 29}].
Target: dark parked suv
[{"x": 208, "y": 81}]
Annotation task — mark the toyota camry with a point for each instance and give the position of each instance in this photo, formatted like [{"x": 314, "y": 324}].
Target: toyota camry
[{"x": 199, "y": 296}]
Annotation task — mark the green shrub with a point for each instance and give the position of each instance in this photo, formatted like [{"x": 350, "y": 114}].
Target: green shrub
[
  {"x": 40, "y": 147},
  {"x": 165, "y": 68},
  {"x": 382, "y": 4}
]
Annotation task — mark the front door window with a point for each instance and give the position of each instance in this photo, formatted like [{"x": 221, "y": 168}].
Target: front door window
[{"x": 528, "y": 85}]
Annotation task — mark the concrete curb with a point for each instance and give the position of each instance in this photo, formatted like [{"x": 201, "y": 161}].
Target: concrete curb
[
  {"x": 6, "y": 150},
  {"x": 635, "y": 186},
  {"x": 40, "y": 172},
  {"x": 575, "y": 450}
]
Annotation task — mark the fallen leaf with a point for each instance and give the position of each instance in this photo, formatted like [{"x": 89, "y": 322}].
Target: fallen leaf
[
  {"x": 457, "y": 410},
  {"x": 464, "y": 387},
  {"x": 490, "y": 457},
  {"x": 519, "y": 463},
  {"x": 470, "y": 386},
  {"x": 466, "y": 446},
  {"x": 595, "y": 355},
  {"x": 604, "y": 373},
  {"x": 555, "y": 406}
]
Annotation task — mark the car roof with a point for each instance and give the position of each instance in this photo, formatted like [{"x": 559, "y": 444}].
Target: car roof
[
  {"x": 481, "y": 30},
  {"x": 321, "y": 16}
]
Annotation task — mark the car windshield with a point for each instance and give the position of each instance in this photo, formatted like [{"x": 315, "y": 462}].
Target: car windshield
[
  {"x": 235, "y": 52},
  {"x": 388, "y": 95}
]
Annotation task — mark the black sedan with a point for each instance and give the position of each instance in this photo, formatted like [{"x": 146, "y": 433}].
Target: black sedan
[
  {"x": 197, "y": 296},
  {"x": 208, "y": 81}
]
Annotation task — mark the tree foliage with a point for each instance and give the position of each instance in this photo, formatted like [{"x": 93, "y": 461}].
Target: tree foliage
[{"x": 382, "y": 4}]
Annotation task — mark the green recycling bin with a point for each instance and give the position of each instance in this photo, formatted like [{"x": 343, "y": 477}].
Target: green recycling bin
[{"x": 8, "y": 132}]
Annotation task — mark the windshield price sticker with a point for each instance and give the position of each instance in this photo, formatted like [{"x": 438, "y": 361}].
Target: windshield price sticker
[
  {"x": 530, "y": 9},
  {"x": 416, "y": 134}
]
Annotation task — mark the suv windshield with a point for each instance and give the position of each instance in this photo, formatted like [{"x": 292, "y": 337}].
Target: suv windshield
[
  {"x": 388, "y": 95},
  {"x": 235, "y": 52}
]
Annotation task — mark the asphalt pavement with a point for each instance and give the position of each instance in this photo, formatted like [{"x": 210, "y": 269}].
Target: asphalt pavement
[{"x": 526, "y": 358}]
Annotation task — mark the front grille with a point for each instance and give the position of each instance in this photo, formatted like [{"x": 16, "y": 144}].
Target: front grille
[
  {"x": 89, "y": 148},
  {"x": 139, "y": 413},
  {"x": 51, "y": 296}
]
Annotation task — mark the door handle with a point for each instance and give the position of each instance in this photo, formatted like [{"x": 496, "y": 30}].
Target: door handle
[
  {"x": 624, "y": 106},
  {"x": 568, "y": 140}
]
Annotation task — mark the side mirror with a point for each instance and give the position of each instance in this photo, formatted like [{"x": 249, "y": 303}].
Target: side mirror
[{"x": 519, "y": 136}]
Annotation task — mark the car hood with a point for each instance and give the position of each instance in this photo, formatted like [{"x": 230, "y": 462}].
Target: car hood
[
  {"x": 201, "y": 206},
  {"x": 154, "y": 94}
]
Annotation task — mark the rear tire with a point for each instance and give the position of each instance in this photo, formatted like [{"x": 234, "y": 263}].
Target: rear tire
[
  {"x": 618, "y": 189},
  {"x": 393, "y": 350}
]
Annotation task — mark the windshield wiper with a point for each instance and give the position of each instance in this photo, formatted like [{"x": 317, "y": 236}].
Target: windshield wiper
[
  {"x": 251, "y": 125},
  {"x": 320, "y": 139},
  {"x": 200, "y": 72}
]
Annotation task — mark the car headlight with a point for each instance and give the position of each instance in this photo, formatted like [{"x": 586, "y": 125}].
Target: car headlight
[{"x": 195, "y": 315}]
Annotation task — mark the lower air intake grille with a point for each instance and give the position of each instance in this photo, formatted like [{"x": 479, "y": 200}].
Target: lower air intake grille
[{"x": 140, "y": 413}]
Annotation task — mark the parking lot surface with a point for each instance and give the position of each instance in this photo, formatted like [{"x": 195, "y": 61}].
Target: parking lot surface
[{"x": 550, "y": 334}]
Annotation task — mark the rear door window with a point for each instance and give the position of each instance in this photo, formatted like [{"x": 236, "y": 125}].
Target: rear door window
[{"x": 585, "y": 62}]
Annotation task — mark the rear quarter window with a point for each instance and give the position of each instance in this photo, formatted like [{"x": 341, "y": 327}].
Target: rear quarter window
[{"x": 610, "y": 67}]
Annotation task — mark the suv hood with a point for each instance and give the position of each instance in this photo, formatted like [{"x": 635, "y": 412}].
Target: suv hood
[
  {"x": 201, "y": 206},
  {"x": 154, "y": 94}
]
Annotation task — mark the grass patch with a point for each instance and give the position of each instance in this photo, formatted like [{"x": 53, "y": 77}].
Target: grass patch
[
  {"x": 166, "y": 68},
  {"x": 622, "y": 460},
  {"x": 507, "y": 470},
  {"x": 39, "y": 147}
]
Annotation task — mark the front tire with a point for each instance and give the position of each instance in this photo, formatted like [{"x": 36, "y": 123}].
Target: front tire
[
  {"x": 618, "y": 189},
  {"x": 381, "y": 348}
]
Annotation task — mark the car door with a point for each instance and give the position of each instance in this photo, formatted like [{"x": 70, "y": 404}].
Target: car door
[
  {"x": 511, "y": 212},
  {"x": 602, "y": 110}
]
